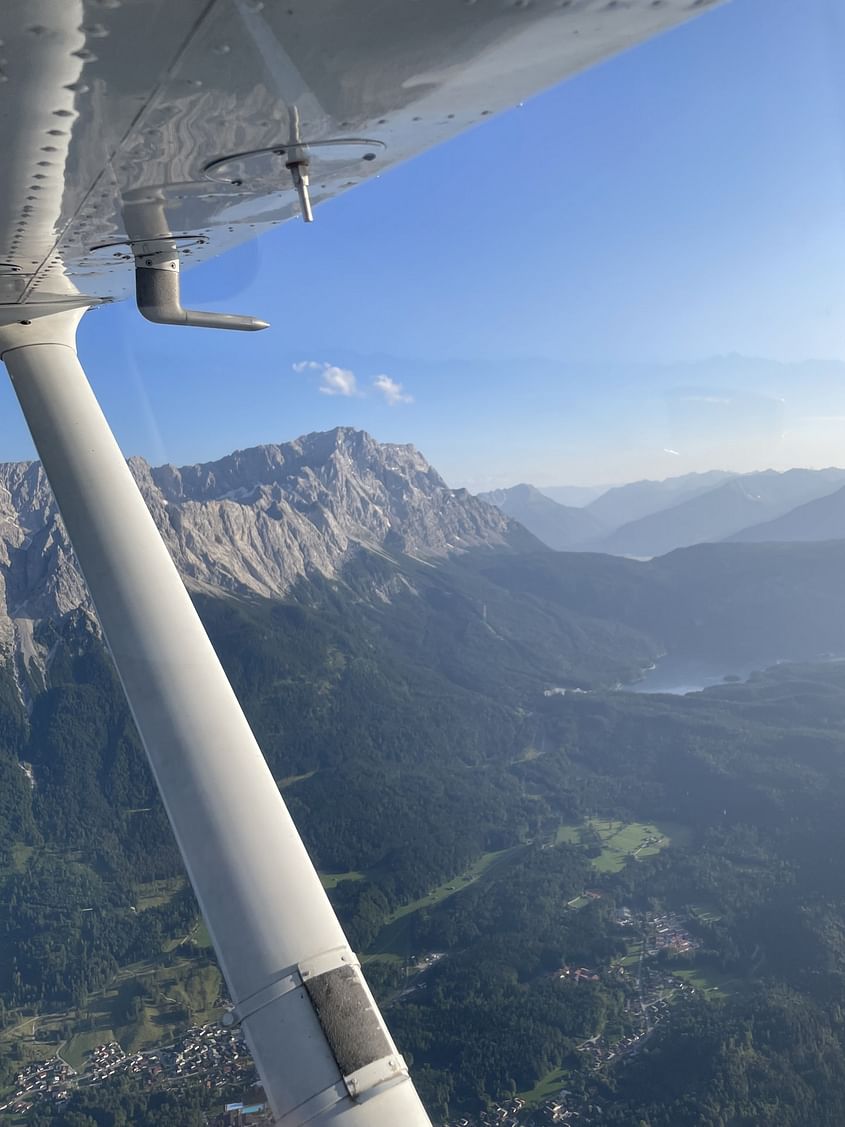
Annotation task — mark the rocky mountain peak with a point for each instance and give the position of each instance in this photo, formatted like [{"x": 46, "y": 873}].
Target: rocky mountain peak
[{"x": 253, "y": 522}]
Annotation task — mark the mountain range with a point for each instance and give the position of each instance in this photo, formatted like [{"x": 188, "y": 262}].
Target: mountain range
[
  {"x": 338, "y": 516},
  {"x": 650, "y": 518}
]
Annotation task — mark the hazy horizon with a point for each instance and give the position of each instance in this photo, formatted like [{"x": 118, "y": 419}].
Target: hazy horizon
[{"x": 606, "y": 486}]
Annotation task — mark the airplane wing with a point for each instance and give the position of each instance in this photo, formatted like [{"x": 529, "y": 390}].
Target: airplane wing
[
  {"x": 131, "y": 120},
  {"x": 140, "y": 137}
]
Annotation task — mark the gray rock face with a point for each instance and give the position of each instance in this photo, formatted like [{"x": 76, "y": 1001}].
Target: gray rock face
[{"x": 252, "y": 523}]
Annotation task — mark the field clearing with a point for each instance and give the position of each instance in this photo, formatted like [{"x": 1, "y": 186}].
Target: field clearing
[
  {"x": 633, "y": 953},
  {"x": 80, "y": 1045},
  {"x": 626, "y": 841},
  {"x": 332, "y": 880},
  {"x": 387, "y": 957},
  {"x": 157, "y": 892},
  {"x": 476, "y": 870},
  {"x": 623, "y": 842},
  {"x": 396, "y": 935},
  {"x": 200, "y": 937},
  {"x": 546, "y": 1088},
  {"x": 703, "y": 913},
  {"x": 710, "y": 981},
  {"x": 20, "y": 855},
  {"x": 528, "y": 756}
]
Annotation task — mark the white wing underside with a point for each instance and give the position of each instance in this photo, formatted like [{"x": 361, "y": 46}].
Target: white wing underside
[{"x": 128, "y": 120}]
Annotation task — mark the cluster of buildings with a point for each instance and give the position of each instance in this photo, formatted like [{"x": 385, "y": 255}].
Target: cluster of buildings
[
  {"x": 514, "y": 1113},
  {"x": 651, "y": 988},
  {"x": 38, "y": 1081},
  {"x": 104, "y": 1061},
  {"x": 217, "y": 1054},
  {"x": 577, "y": 974},
  {"x": 599, "y": 1052},
  {"x": 237, "y": 1114},
  {"x": 419, "y": 963},
  {"x": 670, "y": 934},
  {"x": 213, "y": 1051}
]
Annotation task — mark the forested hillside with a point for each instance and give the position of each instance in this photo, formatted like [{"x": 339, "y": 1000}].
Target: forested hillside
[{"x": 504, "y": 851}]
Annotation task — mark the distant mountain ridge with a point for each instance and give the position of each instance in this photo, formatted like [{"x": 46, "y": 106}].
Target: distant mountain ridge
[
  {"x": 626, "y": 503},
  {"x": 561, "y": 527},
  {"x": 650, "y": 518},
  {"x": 577, "y": 496},
  {"x": 715, "y": 514},
  {"x": 820, "y": 519}
]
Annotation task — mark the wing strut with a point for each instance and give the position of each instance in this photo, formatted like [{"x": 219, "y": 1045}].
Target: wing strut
[{"x": 322, "y": 1048}]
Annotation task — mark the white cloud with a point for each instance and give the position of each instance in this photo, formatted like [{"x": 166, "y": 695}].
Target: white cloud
[
  {"x": 338, "y": 381},
  {"x": 674, "y": 453},
  {"x": 341, "y": 381},
  {"x": 392, "y": 391},
  {"x": 333, "y": 380}
]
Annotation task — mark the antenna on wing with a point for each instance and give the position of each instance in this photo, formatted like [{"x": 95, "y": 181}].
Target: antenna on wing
[{"x": 297, "y": 164}]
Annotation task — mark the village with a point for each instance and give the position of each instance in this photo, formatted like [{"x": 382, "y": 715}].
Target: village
[
  {"x": 212, "y": 1052},
  {"x": 514, "y": 1113},
  {"x": 652, "y": 990}
]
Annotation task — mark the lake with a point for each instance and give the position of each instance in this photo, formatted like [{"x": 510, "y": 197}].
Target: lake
[{"x": 679, "y": 675}]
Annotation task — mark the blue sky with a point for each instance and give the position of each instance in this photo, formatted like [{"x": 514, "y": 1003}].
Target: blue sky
[{"x": 568, "y": 294}]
